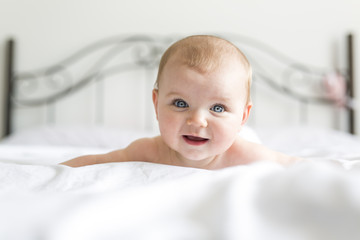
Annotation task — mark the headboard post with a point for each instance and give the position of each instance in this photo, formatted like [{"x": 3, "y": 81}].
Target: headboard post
[
  {"x": 9, "y": 75},
  {"x": 350, "y": 62}
]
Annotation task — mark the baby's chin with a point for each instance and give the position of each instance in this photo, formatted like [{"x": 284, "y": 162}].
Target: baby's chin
[{"x": 195, "y": 157}]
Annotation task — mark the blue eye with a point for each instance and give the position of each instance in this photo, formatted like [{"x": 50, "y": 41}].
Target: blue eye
[
  {"x": 218, "y": 108},
  {"x": 180, "y": 103}
]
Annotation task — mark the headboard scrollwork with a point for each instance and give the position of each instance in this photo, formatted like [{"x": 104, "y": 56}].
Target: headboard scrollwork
[{"x": 120, "y": 54}]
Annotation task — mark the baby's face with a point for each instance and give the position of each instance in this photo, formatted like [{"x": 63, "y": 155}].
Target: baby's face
[{"x": 200, "y": 114}]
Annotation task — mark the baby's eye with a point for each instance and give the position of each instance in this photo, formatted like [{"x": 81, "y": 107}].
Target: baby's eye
[
  {"x": 218, "y": 108},
  {"x": 180, "y": 103}
]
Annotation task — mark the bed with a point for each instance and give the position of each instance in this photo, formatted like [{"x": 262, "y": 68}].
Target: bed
[{"x": 76, "y": 107}]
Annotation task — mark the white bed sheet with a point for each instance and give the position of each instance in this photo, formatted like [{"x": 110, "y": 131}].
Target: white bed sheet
[
  {"x": 91, "y": 136},
  {"x": 312, "y": 142},
  {"x": 314, "y": 199}
]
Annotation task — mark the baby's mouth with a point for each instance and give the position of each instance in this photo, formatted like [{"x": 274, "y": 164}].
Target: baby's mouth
[{"x": 193, "y": 140}]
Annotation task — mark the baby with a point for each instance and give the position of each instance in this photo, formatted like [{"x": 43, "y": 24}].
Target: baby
[{"x": 202, "y": 100}]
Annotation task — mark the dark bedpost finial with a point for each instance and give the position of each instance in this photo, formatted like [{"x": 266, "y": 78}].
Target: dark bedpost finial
[
  {"x": 9, "y": 74},
  {"x": 350, "y": 63}
]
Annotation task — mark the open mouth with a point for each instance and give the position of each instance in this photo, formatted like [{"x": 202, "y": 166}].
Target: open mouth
[{"x": 192, "y": 140}]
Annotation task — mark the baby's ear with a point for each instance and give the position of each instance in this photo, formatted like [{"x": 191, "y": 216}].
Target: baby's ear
[
  {"x": 155, "y": 97},
  {"x": 246, "y": 113}
]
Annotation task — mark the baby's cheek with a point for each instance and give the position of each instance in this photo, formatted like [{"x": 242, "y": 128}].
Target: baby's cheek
[
  {"x": 227, "y": 130},
  {"x": 168, "y": 129},
  {"x": 165, "y": 119},
  {"x": 167, "y": 124}
]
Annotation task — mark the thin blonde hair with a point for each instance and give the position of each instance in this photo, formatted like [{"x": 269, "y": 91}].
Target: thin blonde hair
[{"x": 205, "y": 53}]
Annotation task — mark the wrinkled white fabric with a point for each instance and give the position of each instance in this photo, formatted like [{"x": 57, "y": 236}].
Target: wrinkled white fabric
[
  {"x": 313, "y": 199},
  {"x": 134, "y": 200}
]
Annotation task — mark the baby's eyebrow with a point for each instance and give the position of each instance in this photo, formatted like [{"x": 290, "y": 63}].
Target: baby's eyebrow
[
  {"x": 215, "y": 99},
  {"x": 173, "y": 94},
  {"x": 222, "y": 99}
]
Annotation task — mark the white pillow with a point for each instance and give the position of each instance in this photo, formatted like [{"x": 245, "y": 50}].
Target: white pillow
[
  {"x": 80, "y": 136},
  {"x": 91, "y": 136}
]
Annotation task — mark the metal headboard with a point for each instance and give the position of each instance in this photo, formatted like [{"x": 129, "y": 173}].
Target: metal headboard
[{"x": 146, "y": 54}]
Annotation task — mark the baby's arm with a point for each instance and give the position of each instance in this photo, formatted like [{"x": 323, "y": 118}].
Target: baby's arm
[
  {"x": 144, "y": 150},
  {"x": 255, "y": 152},
  {"x": 281, "y": 157}
]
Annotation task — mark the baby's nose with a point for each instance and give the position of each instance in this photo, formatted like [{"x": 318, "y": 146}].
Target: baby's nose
[{"x": 198, "y": 119}]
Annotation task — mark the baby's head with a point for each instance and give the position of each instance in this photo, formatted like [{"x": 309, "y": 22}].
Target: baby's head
[
  {"x": 201, "y": 96},
  {"x": 206, "y": 54}
]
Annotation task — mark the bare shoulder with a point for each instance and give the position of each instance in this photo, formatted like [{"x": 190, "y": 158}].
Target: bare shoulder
[
  {"x": 252, "y": 152},
  {"x": 143, "y": 149}
]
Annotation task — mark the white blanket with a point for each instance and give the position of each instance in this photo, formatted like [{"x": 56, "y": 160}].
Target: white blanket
[
  {"x": 315, "y": 199},
  {"x": 310, "y": 200}
]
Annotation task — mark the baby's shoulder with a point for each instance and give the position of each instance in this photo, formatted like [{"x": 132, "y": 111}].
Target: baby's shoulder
[
  {"x": 143, "y": 149},
  {"x": 244, "y": 152},
  {"x": 144, "y": 142},
  {"x": 251, "y": 152}
]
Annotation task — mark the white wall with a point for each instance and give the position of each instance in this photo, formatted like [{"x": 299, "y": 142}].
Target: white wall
[{"x": 47, "y": 30}]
